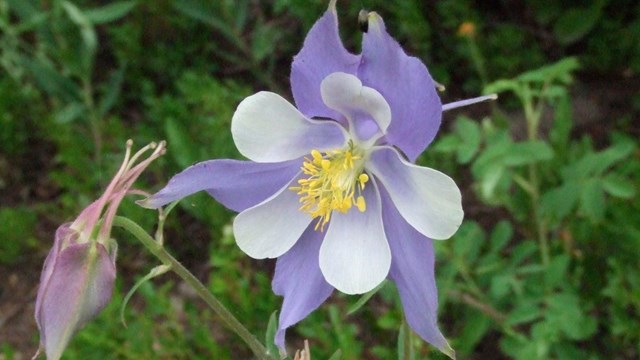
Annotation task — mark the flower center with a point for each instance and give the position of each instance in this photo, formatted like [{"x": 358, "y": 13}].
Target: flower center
[{"x": 335, "y": 181}]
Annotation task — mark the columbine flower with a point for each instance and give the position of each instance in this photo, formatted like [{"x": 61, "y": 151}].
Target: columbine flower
[
  {"x": 332, "y": 191},
  {"x": 79, "y": 272}
]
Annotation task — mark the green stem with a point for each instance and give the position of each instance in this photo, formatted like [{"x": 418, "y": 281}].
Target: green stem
[
  {"x": 478, "y": 61},
  {"x": 158, "y": 250},
  {"x": 532, "y": 115},
  {"x": 408, "y": 343}
]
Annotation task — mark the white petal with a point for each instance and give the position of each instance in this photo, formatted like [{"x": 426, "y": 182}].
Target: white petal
[
  {"x": 355, "y": 255},
  {"x": 345, "y": 93},
  {"x": 267, "y": 128},
  {"x": 272, "y": 227},
  {"x": 429, "y": 200}
]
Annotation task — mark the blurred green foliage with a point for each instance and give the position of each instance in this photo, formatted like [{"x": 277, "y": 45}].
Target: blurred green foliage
[{"x": 544, "y": 266}]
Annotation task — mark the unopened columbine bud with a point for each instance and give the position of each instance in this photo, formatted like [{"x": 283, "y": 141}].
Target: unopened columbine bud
[{"x": 79, "y": 273}]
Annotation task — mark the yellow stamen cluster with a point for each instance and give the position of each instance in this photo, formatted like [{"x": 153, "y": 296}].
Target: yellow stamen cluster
[{"x": 332, "y": 182}]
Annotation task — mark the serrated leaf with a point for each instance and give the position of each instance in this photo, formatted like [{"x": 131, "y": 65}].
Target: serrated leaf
[
  {"x": 109, "y": 12},
  {"x": 618, "y": 186}
]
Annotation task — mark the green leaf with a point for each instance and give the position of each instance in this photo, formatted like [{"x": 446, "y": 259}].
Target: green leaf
[
  {"x": 525, "y": 312},
  {"x": 446, "y": 144},
  {"x": 86, "y": 28},
  {"x": 70, "y": 112},
  {"x": 575, "y": 23},
  {"x": 470, "y": 139},
  {"x": 336, "y": 355},
  {"x": 523, "y": 251},
  {"x": 476, "y": 325},
  {"x": 468, "y": 241},
  {"x": 269, "y": 337},
  {"x": 54, "y": 83},
  {"x": 110, "y": 12},
  {"x": 500, "y": 236},
  {"x": 365, "y": 298},
  {"x": 501, "y": 86},
  {"x": 565, "y": 312},
  {"x": 111, "y": 92},
  {"x": 556, "y": 273},
  {"x": 592, "y": 200},
  {"x": 529, "y": 152},
  {"x": 184, "y": 149},
  {"x": 205, "y": 12},
  {"x": 558, "y": 71},
  {"x": 562, "y": 124},
  {"x": 263, "y": 40},
  {"x": 405, "y": 347},
  {"x": 24, "y": 9},
  {"x": 156, "y": 271},
  {"x": 618, "y": 186},
  {"x": 500, "y": 285},
  {"x": 560, "y": 201}
]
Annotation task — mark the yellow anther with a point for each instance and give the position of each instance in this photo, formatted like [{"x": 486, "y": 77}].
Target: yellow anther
[
  {"x": 332, "y": 181},
  {"x": 362, "y": 179},
  {"x": 361, "y": 204}
]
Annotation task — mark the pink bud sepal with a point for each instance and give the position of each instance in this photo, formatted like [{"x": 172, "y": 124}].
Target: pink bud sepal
[
  {"x": 79, "y": 272},
  {"x": 76, "y": 284}
]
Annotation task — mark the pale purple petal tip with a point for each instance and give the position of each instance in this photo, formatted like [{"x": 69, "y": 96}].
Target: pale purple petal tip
[
  {"x": 407, "y": 86},
  {"x": 64, "y": 235},
  {"x": 412, "y": 270},
  {"x": 322, "y": 54},
  {"x": 236, "y": 184},
  {"x": 462, "y": 103},
  {"x": 299, "y": 280},
  {"x": 78, "y": 286}
]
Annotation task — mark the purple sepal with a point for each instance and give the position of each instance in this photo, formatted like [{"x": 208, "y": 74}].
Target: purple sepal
[
  {"x": 76, "y": 284},
  {"x": 405, "y": 83},
  {"x": 322, "y": 54},
  {"x": 413, "y": 272},
  {"x": 298, "y": 278},
  {"x": 236, "y": 184}
]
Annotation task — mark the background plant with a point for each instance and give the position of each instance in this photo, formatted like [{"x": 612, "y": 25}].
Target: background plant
[{"x": 545, "y": 265}]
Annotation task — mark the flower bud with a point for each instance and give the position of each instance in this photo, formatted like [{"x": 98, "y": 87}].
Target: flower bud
[{"x": 79, "y": 272}]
